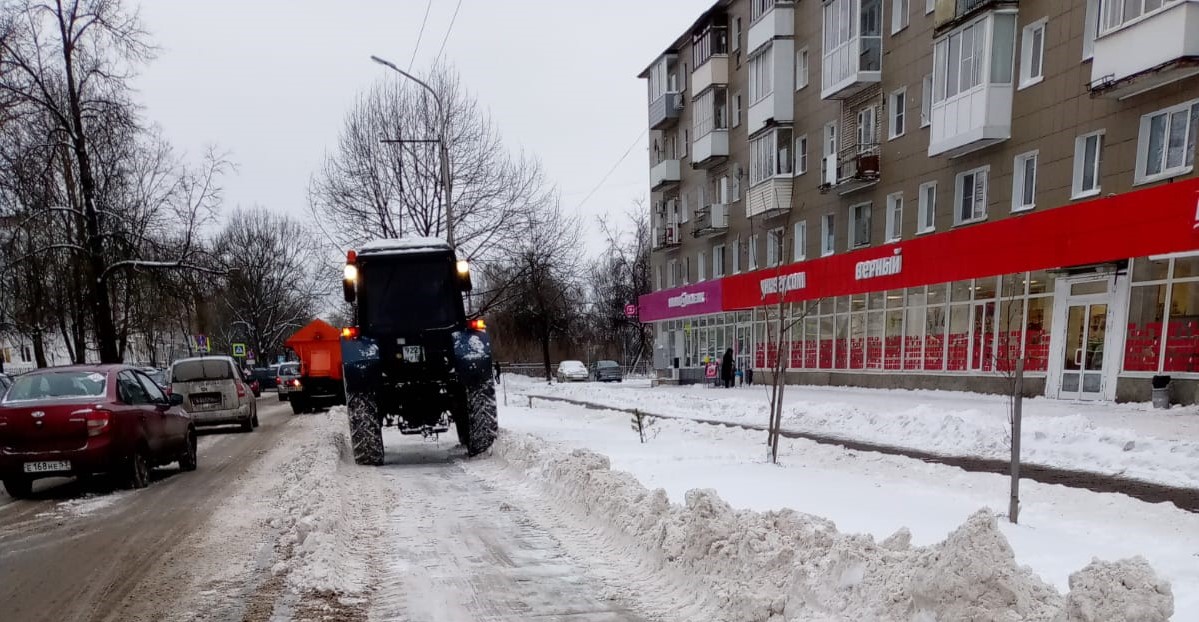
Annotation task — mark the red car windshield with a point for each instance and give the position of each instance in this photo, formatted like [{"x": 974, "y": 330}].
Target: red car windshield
[{"x": 57, "y": 385}]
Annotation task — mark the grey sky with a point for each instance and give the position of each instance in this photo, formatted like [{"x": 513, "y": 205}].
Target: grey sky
[{"x": 269, "y": 81}]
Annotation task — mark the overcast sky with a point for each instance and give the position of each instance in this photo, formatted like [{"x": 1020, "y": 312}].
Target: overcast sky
[{"x": 269, "y": 81}]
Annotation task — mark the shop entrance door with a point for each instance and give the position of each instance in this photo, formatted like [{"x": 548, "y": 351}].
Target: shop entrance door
[{"x": 1082, "y": 365}]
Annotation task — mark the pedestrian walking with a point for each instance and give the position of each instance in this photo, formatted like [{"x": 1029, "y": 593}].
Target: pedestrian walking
[
  {"x": 726, "y": 368},
  {"x": 497, "y": 372}
]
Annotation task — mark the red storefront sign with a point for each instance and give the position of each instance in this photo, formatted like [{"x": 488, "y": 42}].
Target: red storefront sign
[{"x": 1159, "y": 220}]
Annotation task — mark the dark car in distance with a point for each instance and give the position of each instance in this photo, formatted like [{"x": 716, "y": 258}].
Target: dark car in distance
[
  {"x": 606, "y": 371},
  {"x": 85, "y": 419}
]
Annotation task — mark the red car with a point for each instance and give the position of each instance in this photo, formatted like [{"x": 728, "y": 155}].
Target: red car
[{"x": 89, "y": 419}]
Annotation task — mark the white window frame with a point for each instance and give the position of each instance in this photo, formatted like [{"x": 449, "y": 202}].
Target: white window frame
[
  {"x": 897, "y": 115},
  {"x": 1021, "y": 183},
  {"x": 718, "y": 261},
  {"x": 867, "y": 126},
  {"x": 828, "y": 234},
  {"x": 753, "y": 252},
  {"x": 658, "y": 279},
  {"x": 735, "y": 29},
  {"x": 926, "y": 101},
  {"x": 856, "y": 211},
  {"x": 672, "y": 273},
  {"x": 894, "y": 230},
  {"x": 958, "y": 182},
  {"x": 1031, "y": 49},
  {"x": 1111, "y": 21},
  {"x": 761, "y": 74},
  {"x": 701, "y": 266},
  {"x": 930, "y": 6},
  {"x": 737, "y": 256},
  {"x": 735, "y": 185},
  {"x": 736, "y": 105},
  {"x": 770, "y": 155},
  {"x": 1080, "y": 165},
  {"x": 775, "y": 245},
  {"x": 1090, "y": 29},
  {"x": 801, "y": 155},
  {"x": 687, "y": 270},
  {"x": 926, "y": 216},
  {"x": 801, "y": 68},
  {"x": 799, "y": 250},
  {"x": 900, "y": 9},
  {"x": 1142, "y": 175}
]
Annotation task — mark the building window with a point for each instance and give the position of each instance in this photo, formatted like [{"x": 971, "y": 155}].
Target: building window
[
  {"x": 718, "y": 261},
  {"x": 827, "y": 234},
  {"x": 899, "y": 15},
  {"x": 926, "y": 101},
  {"x": 1166, "y": 147},
  {"x": 774, "y": 246},
  {"x": 1086, "y": 165},
  {"x": 970, "y": 190},
  {"x": 1162, "y": 316},
  {"x": 736, "y": 34},
  {"x": 701, "y": 266},
  {"x": 736, "y": 256},
  {"x": 800, "y": 250},
  {"x": 866, "y": 128},
  {"x": 801, "y": 155},
  {"x": 753, "y": 252},
  {"x": 672, "y": 272},
  {"x": 845, "y": 22},
  {"x": 686, "y": 271},
  {"x": 760, "y": 8},
  {"x": 736, "y": 183},
  {"x": 658, "y": 278},
  {"x": 929, "y": 6},
  {"x": 761, "y": 75},
  {"x": 859, "y": 229},
  {"x": 898, "y": 109},
  {"x": 713, "y": 40},
  {"x": 770, "y": 155},
  {"x": 801, "y": 69},
  {"x": 1090, "y": 29},
  {"x": 711, "y": 111},
  {"x": 927, "y": 216},
  {"x": 1024, "y": 182},
  {"x": 894, "y": 217},
  {"x": 1032, "y": 53},
  {"x": 1118, "y": 13},
  {"x": 960, "y": 59},
  {"x": 736, "y": 109}
]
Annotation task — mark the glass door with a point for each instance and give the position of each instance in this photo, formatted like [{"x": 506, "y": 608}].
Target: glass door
[{"x": 1086, "y": 335}]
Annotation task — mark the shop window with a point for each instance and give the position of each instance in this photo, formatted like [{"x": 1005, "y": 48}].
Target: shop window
[
  {"x": 841, "y": 343},
  {"x": 811, "y": 342},
  {"x": 1150, "y": 270},
  {"x": 935, "y": 327},
  {"x": 893, "y": 340},
  {"x": 1142, "y": 345},
  {"x": 913, "y": 339},
  {"x": 857, "y": 340},
  {"x": 1186, "y": 267},
  {"x": 958, "y": 338},
  {"x": 1182, "y": 332},
  {"x": 1009, "y": 326},
  {"x": 1036, "y": 333},
  {"x": 874, "y": 339},
  {"x": 827, "y": 342}
]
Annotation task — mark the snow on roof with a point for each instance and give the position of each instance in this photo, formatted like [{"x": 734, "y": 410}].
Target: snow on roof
[{"x": 404, "y": 245}]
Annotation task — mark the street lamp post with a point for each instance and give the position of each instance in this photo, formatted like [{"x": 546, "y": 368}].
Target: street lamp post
[{"x": 443, "y": 152}]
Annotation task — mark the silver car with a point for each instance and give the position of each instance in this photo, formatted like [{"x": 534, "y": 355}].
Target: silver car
[
  {"x": 214, "y": 391},
  {"x": 287, "y": 378}
]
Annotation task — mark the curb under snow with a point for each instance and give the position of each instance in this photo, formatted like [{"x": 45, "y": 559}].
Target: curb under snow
[{"x": 785, "y": 565}]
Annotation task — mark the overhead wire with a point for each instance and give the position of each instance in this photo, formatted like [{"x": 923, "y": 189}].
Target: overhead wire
[
  {"x": 613, "y": 169},
  {"x": 447, "y": 32},
  {"x": 421, "y": 34}
]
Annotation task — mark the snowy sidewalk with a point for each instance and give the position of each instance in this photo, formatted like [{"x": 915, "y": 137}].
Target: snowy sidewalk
[{"x": 1126, "y": 440}]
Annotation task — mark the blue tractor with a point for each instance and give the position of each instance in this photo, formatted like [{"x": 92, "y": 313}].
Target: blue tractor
[{"x": 413, "y": 357}]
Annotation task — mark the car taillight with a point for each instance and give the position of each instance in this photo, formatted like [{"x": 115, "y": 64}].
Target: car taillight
[
  {"x": 478, "y": 324},
  {"x": 278, "y": 381},
  {"x": 295, "y": 383},
  {"x": 349, "y": 332},
  {"x": 241, "y": 389},
  {"x": 97, "y": 422}
]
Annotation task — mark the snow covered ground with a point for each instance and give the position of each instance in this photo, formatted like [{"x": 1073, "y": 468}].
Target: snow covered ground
[
  {"x": 1061, "y": 529},
  {"x": 1131, "y": 440}
]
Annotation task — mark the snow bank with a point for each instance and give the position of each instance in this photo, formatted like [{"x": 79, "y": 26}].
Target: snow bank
[
  {"x": 318, "y": 519},
  {"x": 1056, "y": 433},
  {"x": 785, "y": 565}
]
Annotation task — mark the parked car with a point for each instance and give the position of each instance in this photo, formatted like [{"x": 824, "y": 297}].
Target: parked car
[
  {"x": 265, "y": 376},
  {"x": 159, "y": 376},
  {"x": 287, "y": 379},
  {"x": 606, "y": 371},
  {"x": 86, "y": 419},
  {"x": 214, "y": 391},
  {"x": 571, "y": 370}
]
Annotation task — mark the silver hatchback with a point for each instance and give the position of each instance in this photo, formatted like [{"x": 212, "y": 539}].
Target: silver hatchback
[{"x": 214, "y": 391}]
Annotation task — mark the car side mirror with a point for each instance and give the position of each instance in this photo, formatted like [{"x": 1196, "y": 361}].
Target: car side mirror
[{"x": 175, "y": 399}]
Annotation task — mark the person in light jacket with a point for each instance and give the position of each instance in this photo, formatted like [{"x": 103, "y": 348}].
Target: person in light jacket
[{"x": 726, "y": 368}]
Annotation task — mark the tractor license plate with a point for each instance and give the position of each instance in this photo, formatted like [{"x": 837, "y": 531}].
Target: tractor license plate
[
  {"x": 48, "y": 466},
  {"x": 412, "y": 354}
]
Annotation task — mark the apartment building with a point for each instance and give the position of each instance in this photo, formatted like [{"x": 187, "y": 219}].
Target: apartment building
[{"x": 934, "y": 191}]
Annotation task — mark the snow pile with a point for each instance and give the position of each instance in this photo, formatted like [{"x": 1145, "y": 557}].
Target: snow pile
[
  {"x": 1056, "y": 434},
  {"x": 785, "y": 565},
  {"x": 315, "y": 513},
  {"x": 1123, "y": 590}
]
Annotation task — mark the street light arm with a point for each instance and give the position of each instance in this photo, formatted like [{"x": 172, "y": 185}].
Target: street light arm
[{"x": 392, "y": 66}]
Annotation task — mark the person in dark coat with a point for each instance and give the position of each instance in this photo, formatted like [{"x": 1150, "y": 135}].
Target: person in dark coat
[{"x": 726, "y": 368}]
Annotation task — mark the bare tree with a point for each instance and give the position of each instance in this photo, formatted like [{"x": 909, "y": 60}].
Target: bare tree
[{"x": 619, "y": 276}]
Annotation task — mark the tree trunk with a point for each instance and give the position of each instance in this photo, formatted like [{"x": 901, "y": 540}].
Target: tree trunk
[
  {"x": 545, "y": 353},
  {"x": 39, "y": 349}
]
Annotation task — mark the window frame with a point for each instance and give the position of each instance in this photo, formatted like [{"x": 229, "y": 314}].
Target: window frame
[
  {"x": 1106, "y": 26},
  {"x": 926, "y": 100},
  {"x": 1020, "y": 182},
  {"x": 1080, "y": 146},
  {"x": 735, "y": 104},
  {"x": 776, "y": 239},
  {"x": 753, "y": 253},
  {"x": 736, "y": 256},
  {"x": 897, "y": 115},
  {"x": 761, "y": 87},
  {"x": 1029, "y": 46},
  {"x": 802, "y": 75},
  {"x": 801, "y": 155},
  {"x": 893, "y": 231},
  {"x": 926, "y": 210},
  {"x": 1140, "y": 173},
  {"x": 900, "y": 11},
  {"x": 718, "y": 261},
  {"x": 855, "y": 210},
  {"x": 958, "y": 185},
  {"x": 828, "y": 234},
  {"x": 701, "y": 266},
  {"x": 799, "y": 249}
]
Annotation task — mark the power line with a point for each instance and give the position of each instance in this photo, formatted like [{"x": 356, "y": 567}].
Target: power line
[
  {"x": 421, "y": 34},
  {"x": 447, "y": 32},
  {"x": 613, "y": 169}
]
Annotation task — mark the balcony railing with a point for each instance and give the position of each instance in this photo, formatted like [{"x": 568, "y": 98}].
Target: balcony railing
[
  {"x": 709, "y": 149},
  {"x": 667, "y": 236},
  {"x": 711, "y": 220},
  {"x": 851, "y": 169},
  {"x": 664, "y": 111}
]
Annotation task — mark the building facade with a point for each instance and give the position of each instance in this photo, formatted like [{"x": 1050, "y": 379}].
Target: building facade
[{"x": 929, "y": 192}]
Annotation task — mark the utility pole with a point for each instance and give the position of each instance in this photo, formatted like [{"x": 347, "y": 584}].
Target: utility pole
[{"x": 443, "y": 151}]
